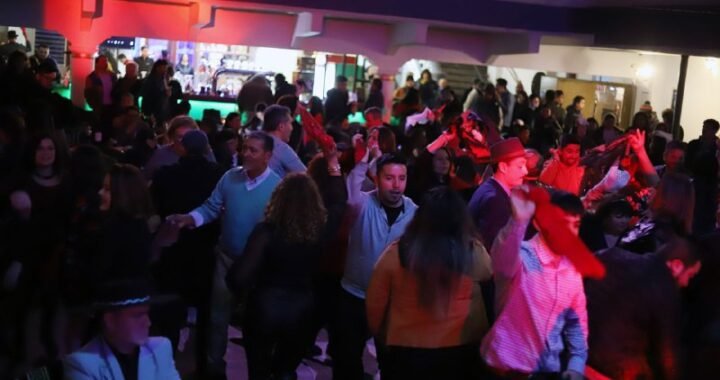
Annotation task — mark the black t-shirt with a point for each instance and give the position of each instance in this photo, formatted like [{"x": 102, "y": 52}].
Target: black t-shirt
[
  {"x": 128, "y": 363},
  {"x": 393, "y": 213}
]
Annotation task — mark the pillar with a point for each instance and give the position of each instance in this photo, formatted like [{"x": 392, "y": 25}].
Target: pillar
[
  {"x": 388, "y": 89},
  {"x": 680, "y": 95},
  {"x": 81, "y": 65}
]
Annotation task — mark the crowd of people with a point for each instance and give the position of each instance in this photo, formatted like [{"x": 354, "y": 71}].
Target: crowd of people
[{"x": 483, "y": 236}]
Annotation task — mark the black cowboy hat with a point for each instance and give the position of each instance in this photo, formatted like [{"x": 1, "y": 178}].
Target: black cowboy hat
[{"x": 120, "y": 293}]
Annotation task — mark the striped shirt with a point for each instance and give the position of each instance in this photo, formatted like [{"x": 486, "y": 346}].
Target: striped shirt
[{"x": 540, "y": 305}]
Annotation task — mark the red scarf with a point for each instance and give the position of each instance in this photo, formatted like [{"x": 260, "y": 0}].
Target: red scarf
[{"x": 560, "y": 239}]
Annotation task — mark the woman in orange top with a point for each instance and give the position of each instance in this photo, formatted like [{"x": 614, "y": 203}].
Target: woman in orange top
[{"x": 424, "y": 302}]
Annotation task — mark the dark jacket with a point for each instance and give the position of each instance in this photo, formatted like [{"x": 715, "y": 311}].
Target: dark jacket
[
  {"x": 126, "y": 248},
  {"x": 138, "y": 155},
  {"x": 524, "y": 113},
  {"x": 598, "y": 135},
  {"x": 490, "y": 110},
  {"x": 127, "y": 85},
  {"x": 144, "y": 64},
  {"x": 571, "y": 118},
  {"x": 375, "y": 99},
  {"x": 490, "y": 209},
  {"x": 545, "y": 135},
  {"x": 155, "y": 97},
  {"x": 558, "y": 112},
  {"x": 35, "y": 63},
  {"x": 633, "y": 314},
  {"x": 592, "y": 234},
  {"x": 336, "y": 105},
  {"x": 702, "y": 327},
  {"x": 283, "y": 89},
  {"x": 428, "y": 93},
  {"x": 184, "y": 69},
  {"x": 186, "y": 267},
  {"x": 697, "y": 148},
  {"x": 9, "y": 48}
]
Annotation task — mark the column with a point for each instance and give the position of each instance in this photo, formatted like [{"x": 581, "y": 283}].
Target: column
[
  {"x": 81, "y": 65},
  {"x": 388, "y": 89}
]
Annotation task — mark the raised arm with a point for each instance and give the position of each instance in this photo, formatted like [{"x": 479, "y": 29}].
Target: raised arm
[
  {"x": 335, "y": 195},
  {"x": 442, "y": 141},
  {"x": 550, "y": 172},
  {"x": 357, "y": 176},
  {"x": 614, "y": 180},
  {"x": 470, "y": 99},
  {"x": 505, "y": 250},
  {"x": 637, "y": 144}
]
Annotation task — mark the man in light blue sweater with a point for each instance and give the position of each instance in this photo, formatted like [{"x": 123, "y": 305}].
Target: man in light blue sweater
[
  {"x": 277, "y": 122},
  {"x": 240, "y": 197},
  {"x": 382, "y": 216}
]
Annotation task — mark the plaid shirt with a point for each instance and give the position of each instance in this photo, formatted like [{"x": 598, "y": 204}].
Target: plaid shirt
[{"x": 540, "y": 305}]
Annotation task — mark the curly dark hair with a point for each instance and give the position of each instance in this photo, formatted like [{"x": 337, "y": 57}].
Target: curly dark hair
[{"x": 296, "y": 209}]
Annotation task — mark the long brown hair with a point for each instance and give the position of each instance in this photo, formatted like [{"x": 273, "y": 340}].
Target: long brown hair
[
  {"x": 675, "y": 198},
  {"x": 438, "y": 246},
  {"x": 296, "y": 209},
  {"x": 129, "y": 192}
]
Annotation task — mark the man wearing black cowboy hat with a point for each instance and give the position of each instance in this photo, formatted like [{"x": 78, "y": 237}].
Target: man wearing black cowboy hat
[
  {"x": 11, "y": 46},
  {"x": 123, "y": 350}
]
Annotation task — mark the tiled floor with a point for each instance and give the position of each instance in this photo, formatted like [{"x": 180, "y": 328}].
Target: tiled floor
[{"x": 309, "y": 369}]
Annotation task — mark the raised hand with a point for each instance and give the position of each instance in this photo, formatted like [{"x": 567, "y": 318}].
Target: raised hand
[
  {"x": 555, "y": 154},
  {"x": 636, "y": 140},
  {"x": 181, "y": 220},
  {"x": 357, "y": 140},
  {"x": 523, "y": 209}
]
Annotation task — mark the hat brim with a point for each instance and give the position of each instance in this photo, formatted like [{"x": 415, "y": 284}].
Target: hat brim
[{"x": 98, "y": 308}]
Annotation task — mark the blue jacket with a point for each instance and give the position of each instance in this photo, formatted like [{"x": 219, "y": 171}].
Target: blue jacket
[
  {"x": 96, "y": 361},
  {"x": 369, "y": 233},
  {"x": 490, "y": 209}
]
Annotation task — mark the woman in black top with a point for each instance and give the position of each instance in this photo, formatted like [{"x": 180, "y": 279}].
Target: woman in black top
[
  {"x": 431, "y": 170},
  {"x": 156, "y": 92},
  {"x": 41, "y": 207},
  {"x": 375, "y": 98},
  {"x": 277, "y": 269},
  {"x": 428, "y": 89},
  {"x": 126, "y": 239}
]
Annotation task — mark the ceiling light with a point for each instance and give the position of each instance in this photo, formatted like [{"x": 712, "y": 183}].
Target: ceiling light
[
  {"x": 645, "y": 71},
  {"x": 712, "y": 65}
]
